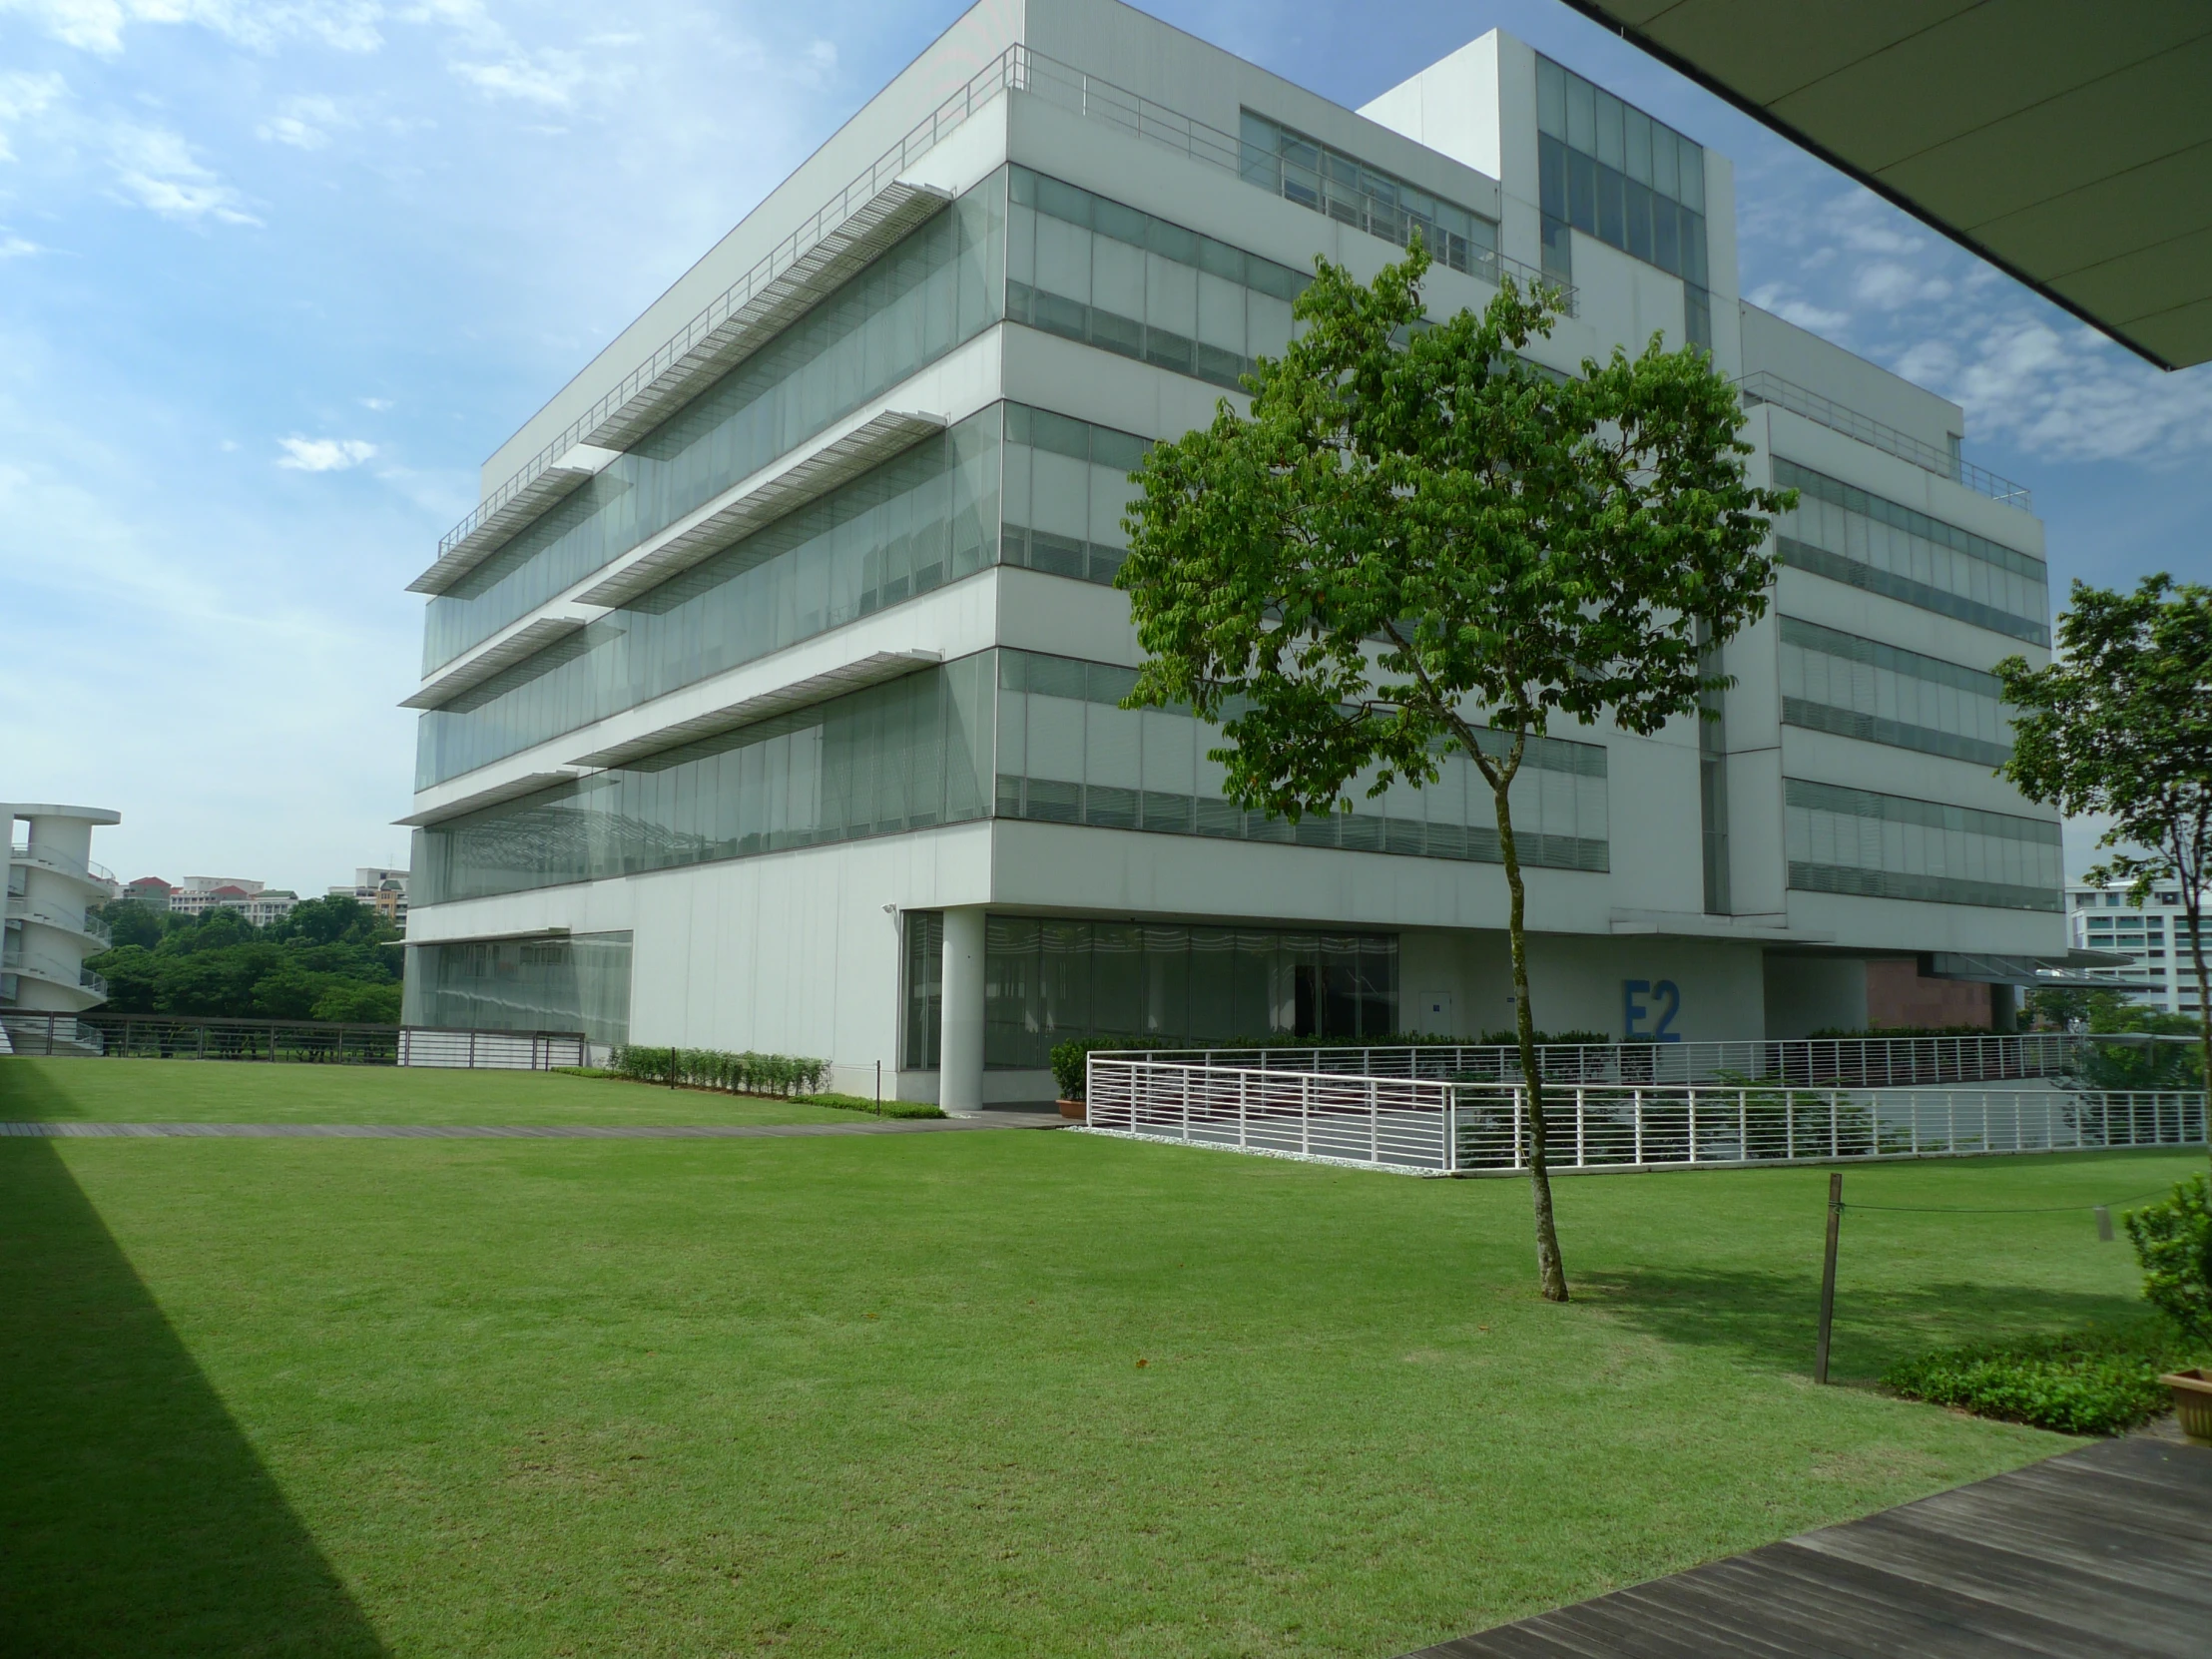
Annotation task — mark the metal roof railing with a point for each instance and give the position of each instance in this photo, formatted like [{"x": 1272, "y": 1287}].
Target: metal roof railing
[{"x": 1763, "y": 387}]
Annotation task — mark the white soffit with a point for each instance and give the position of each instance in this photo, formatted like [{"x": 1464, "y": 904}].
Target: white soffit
[
  {"x": 490, "y": 527},
  {"x": 713, "y": 346},
  {"x": 813, "y": 474},
  {"x": 2066, "y": 142},
  {"x": 513, "y": 789},
  {"x": 816, "y": 688},
  {"x": 474, "y": 671}
]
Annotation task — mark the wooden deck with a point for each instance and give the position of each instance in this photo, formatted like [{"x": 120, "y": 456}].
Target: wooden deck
[{"x": 2105, "y": 1551}]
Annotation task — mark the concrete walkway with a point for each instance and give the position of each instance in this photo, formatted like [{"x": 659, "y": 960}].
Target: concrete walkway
[
  {"x": 68, "y": 1130},
  {"x": 2103, "y": 1553}
]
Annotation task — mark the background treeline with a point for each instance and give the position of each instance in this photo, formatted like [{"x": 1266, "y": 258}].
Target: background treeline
[{"x": 331, "y": 958}]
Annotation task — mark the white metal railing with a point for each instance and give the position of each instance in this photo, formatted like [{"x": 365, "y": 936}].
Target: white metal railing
[
  {"x": 423, "y": 1045},
  {"x": 1849, "y": 1062},
  {"x": 1426, "y": 1127},
  {"x": 1762, "y": 387},
  {"x": 1015, "y": 69},
  {"x": 46, "y": 857},
  {"x": 90, "y": 925}
]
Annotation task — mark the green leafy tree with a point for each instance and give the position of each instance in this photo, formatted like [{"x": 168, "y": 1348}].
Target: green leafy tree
[
  {"x": 2120, "y": 725},
  {"x": 1419, "y": 543}
]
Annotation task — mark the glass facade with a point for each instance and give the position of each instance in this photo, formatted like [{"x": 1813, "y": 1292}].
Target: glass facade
[
  {"x": 928, "y": 518},
  {"x": 936, "y": 289},
  {"x": 580, "y": 984},
  {"x": 1067, "y": 485},
  {"x": 1048, "y": 982},
  {"x": 1860, "y": 688},
  {"x": 910, "y": 755},
  {"x": 1312, "y": 173},
  {"x": 1127, "y": 281},
  {"x": 1611, "y": 171},
  {"x": 1851, "y": 535},
  {"x": 1067, "y": 754},
  {"x": 1002, "y": 732},
  {"x": 1847, "y": 840}
]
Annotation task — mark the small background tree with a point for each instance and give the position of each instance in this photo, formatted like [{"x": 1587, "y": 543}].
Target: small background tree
[
  {"x": 1419, "y": 543},
  {"x": 2121, "y": 724}
]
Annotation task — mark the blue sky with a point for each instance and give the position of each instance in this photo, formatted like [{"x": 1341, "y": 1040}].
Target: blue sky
[{"x": 276, "y": 277}]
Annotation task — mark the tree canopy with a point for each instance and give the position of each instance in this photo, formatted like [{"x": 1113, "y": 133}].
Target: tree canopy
[
  {"x": 2121, "y": 726},
  {"x": 1418, "y": 543},
  {"x": 330, "y": 959}
]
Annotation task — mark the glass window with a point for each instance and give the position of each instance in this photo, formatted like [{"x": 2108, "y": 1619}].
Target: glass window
[
  {"x": 1849, "y": 841},
  {"x": 1613, "y": 173},
  {"x": 1069, "y": 755},
  {"x": 1307, "y": 171},
  {"x": 1860, "y": 688},
  {"x": 1049, "y": 981},
  {"x": 580, "y": 984},
  {"x": 1852, "y": 535}
]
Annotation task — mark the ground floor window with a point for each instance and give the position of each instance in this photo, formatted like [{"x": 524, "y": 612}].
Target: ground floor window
[
  {"x": 1048, "y": 980},
  {"x": 580, "y": 984}
]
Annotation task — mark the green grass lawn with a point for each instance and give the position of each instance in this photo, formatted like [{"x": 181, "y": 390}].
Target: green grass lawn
[
  {"x": 883, "y": 1395},
  {"x": 227, "y": 1091}
]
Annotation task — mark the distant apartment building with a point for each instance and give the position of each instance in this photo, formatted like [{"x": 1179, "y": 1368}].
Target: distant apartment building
[
  {"x": 382, "y": 891},
  {"x": 2155, "y": 939},
  {"x": 260, "y": 904},
  {"x": 52, "y": 883},
  {"x": 148, "y": 889}
]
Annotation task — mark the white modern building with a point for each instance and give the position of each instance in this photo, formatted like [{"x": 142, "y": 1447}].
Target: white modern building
[
  {"x": 769, "y": 695},
  {"x": 2155, "y": 939},
  {"x": 52, "y": 884}
]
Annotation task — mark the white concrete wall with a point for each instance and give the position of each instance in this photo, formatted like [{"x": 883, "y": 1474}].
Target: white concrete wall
[{"x": 1795, "y": 355}]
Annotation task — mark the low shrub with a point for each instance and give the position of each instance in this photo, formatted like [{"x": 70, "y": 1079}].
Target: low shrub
[
  {"x": 585, "y": 1071},
  {"x": 2173, "y": 1242},
  {"x": 2096, "y": 1382},
  {"x": 719, "y": 1068},
  {"x": 858, "y": 1103}
]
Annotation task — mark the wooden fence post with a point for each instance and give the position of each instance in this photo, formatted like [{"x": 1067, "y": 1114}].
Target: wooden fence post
[{"x": 1828, "y": 1273}]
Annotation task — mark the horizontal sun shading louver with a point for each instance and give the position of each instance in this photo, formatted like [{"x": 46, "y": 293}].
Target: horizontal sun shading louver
[
  {"x": 474, "y": 671},
  {"x": 800, "y": 481},
  {"x": 518, "y": 504},
  {"x": 867, "y": 671},
  {"x": 752, "y": 312},
  {"x": 512, "y": 789}
]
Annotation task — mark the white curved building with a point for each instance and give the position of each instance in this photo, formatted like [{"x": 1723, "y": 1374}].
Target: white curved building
[{"x": 52, "y": 884}]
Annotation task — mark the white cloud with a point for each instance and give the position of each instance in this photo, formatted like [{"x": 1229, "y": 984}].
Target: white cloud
[
  {"x": 23, "y": 96},
  {"x": 18, "y": 248},
  {"x": 549, "y": 78},
  {"x": 1892, "y": 286},
  {"x": 99, "y": 25},
  {"x": 2065, "y": 392},
  {"x": 324, "y": 454},
  {"x": 1773, "y": 296},
  {"x": 304, "y": 121},
  {"x": 157, "y": 169},
  {"x": 379, "y": 405}
]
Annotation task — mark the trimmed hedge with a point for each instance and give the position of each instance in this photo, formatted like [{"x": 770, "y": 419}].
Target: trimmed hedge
[
  {"x": 2095, "y": 1382},
  {"x": 717, "y": 1068}
]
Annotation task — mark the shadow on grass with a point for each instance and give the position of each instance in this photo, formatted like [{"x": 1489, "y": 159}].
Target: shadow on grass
[
  {"x": 1767, "y": 1319},
  {"x": 133, "y": 1517},
  {"x": 29, "y": 1095}
]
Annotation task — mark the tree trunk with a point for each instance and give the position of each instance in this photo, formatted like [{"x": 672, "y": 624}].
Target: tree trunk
[{"x": 1551, "y": 1272}]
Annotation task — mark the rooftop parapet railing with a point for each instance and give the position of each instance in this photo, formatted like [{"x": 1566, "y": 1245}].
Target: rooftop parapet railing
[
  {"x": 1016, "y": 69},
  {"x": 1763, "y": 387},
  {"x": 91, "y": 927}
]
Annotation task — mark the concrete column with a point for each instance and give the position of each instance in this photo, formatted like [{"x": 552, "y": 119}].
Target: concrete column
[{"x": 960, "y": 1042}]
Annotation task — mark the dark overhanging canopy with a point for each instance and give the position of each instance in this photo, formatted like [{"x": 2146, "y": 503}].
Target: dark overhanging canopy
[{"x": 2068, "y": 141}]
